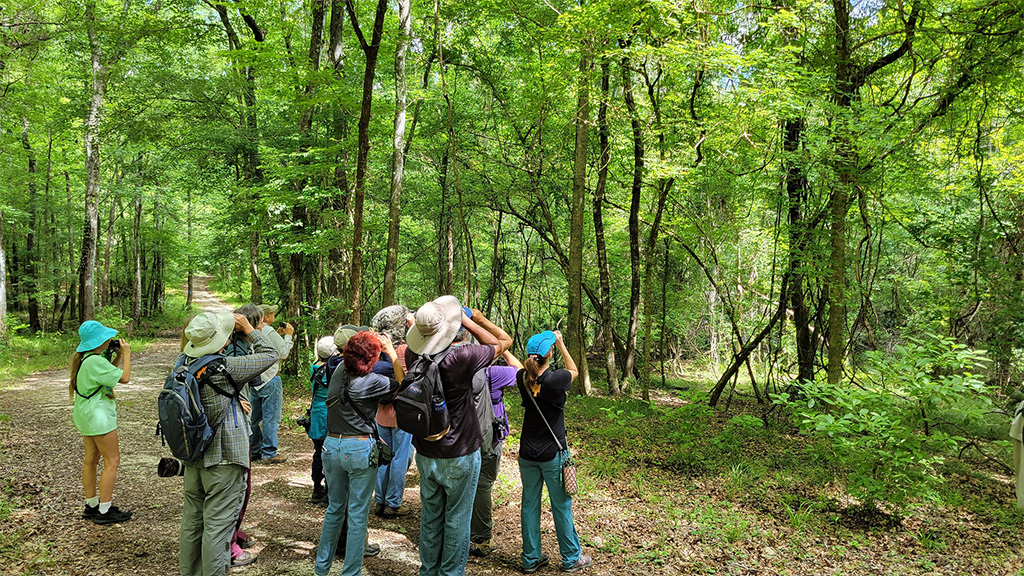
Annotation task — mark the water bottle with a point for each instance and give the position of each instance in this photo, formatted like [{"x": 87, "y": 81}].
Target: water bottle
[{"x": 439, "y": 404}]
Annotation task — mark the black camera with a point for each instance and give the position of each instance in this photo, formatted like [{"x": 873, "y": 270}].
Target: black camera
[
  {"x": 169, "y": 467},
  {"x": 114, "y": 346},
  {"x": 304, "y": 422}
]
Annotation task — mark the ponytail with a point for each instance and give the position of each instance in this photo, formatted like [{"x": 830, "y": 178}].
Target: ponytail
[
  {"x": 533, "y": 365},
  {"x": 75, "y": 364}
]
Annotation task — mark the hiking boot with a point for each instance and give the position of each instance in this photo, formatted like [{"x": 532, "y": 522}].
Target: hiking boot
[
  {"x": 90, "y": 512},
  {"x": 371, "y": 550},
  {"x": 584, "y": 562},
  {"x": 480, "y": 549},
  {"x": 243, "y": 559},
  {"x": 319, "y": 496},
  {"x": 113, "y": 516},
  {"x": 279, "y": 459},
  {"x": 390, "y": 512},
  {"x": 378, "y": 510},
  {"x": 544, "y": 559}
]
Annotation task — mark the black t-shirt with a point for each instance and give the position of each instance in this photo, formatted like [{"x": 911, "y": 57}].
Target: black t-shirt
[
  {"x": 457, "y": 371},
  {"x": 535, "y": 441}
]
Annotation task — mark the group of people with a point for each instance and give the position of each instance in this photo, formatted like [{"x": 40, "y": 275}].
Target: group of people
[{"x": 355, "y": 378}]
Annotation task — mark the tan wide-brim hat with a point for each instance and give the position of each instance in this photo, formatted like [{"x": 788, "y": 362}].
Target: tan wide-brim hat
[
  {"x": 208, "y": 332},
  {"x": 437, "y": 323},
  {"x": 269, "y": 309}
]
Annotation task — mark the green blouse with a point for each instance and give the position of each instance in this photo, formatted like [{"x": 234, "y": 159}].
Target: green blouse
[{"x": 96, "y": 415}]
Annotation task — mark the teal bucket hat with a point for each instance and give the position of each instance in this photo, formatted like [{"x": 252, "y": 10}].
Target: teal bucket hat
[
  {"x": 93, "y": 335},
  {"x": 540, "y": 343}
]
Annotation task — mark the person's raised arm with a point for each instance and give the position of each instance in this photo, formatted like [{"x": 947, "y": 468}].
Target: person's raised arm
[
  {"x": 511, "y": 360},
  {"x": 124, "y": 358},
  {"x": 389, "y": 349},
  {"x": 570, "y": 364},
  {"x": 486, "y": 332},
  {"x": 244, "y": 368}
]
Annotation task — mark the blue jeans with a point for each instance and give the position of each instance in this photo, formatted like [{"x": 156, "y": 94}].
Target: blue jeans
[
  {"x": 534, "y": 475},
  {"x": 266, "y": 417},
  {"x": 349, "y": 487},
  {"x": 391, "y": 478},
  {"x": 447, "y": 488}
]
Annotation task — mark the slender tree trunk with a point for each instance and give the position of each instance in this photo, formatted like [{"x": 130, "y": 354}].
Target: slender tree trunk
[
  {"x": 839, "y": 203},
  {"x": 577, "y": 338},
  {"x": 87, "y": 267},
  {"x": 371, "y": 50},
  {"x": 191, "y": 258},
  {"x": 398, "y": 154},
  {"x": 634, "y": 216},
  {"x": 446, "y": 237},
  {"x": 31, "y": 269},
  {"x": 3, "y": 279},
  {"x": 255, "y": 284},
  {"x": 603, "y": 271},
  {"x": 339, "y": 263},
  {"x": 105, "y": 283},
  {"x": 796, "y": 194},
  {"x": 136, "y": 312}
]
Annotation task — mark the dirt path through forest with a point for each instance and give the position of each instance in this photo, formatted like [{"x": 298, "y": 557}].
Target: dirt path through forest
[{"x": 40, "y": 462}]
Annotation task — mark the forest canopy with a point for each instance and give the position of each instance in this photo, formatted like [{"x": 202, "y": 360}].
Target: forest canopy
[{"x": 771, "y": 193}]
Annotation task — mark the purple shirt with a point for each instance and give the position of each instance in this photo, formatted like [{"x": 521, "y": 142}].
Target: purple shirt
[{"x": 501, "y": 377}]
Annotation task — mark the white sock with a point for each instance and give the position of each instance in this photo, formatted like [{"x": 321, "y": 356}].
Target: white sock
[
  {"x": 92, "y": 502},
  {"x": 104, "y": 506}
]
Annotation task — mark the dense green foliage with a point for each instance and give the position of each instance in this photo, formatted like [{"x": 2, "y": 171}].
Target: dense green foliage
[{"x": 777, "y": 195}]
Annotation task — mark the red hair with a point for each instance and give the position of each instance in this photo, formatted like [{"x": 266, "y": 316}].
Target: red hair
[{"x": 361, "y": 353}]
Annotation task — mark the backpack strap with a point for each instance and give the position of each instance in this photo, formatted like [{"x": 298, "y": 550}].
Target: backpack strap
[
  {"x": 320, "y": 371},
  {"x": 202, "y": 367},
  {"x": 434, "y": 361},
  {"x": 94, "y": 392}
]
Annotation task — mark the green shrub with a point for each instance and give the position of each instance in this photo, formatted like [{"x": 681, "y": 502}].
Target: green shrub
[{"x": 884, "y": 432}]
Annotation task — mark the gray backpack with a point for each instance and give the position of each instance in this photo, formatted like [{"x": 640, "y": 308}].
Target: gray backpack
[{"x": 489, "y": 425}]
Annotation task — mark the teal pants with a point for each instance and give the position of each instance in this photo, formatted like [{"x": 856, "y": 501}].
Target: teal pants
[
  {"x": 213, "y": 499},
  {"x": 535, "y": 475}
]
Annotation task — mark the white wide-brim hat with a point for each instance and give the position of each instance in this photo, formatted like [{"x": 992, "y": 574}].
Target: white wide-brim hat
[
  {"x": 208, "y": 332},
  {"x": 437, "y": 323}
]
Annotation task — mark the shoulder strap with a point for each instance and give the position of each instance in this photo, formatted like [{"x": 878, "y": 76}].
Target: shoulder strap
[
  {"x": 320, "y": 371},
  {"x": 348, "y": 400},
  {"x": 545, "y": 420},
  {"x": 207, "y": 362},
  {"x": 436, "y": 359},
  {"x": 94, "y": 392}
]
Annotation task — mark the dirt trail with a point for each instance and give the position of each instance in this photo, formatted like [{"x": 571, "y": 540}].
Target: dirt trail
[{"x": 40, "y": 464}]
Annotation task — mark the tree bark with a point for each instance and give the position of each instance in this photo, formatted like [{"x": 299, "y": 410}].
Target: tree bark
[
  {"x": 338, "y": 262},
  {"x": 31, "y": 257},
  {"x": 87, "y": 266},
  {"x": 136, "y": 312},
  {"x": 603, "y": 271},
  {"x": 3, "y": 279},
  {"x": 577, "y": 338},
  {"x": 398, "y": 154},
  {"x": 370, "y": 50},
  {"x": 634, "y": 217}
]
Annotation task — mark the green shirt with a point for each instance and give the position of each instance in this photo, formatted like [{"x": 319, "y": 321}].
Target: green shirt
[{"x": 97, "y": 415}]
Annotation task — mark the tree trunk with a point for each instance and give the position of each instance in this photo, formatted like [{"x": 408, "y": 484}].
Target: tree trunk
[
  {"x": 338, "y": 262},
  {"x": 105, "y": 283},
  {"x": 796, "y": 194},
  {"x": 634, "y": 217},
  {"x": 371, "y": 51},
  {"x": 577, "y": 338},
  {"x": 445, "y": 236},
  {"x": 3, "y": 279},
  {"x": 191, "y": 258},
  {"x": 255, "y": 284},
  {"x": 603, "y": 271},
  {"x": 31, "y": 269},
  {"x": 398, "y": 154},
  {"x": 839, "y": 203},
  {"x": 136, "y": 313},
  {"x": 87, "y": 266}
]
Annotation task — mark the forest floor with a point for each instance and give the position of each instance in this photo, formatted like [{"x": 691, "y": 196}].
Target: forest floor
[{"x": 635, "y": 516}]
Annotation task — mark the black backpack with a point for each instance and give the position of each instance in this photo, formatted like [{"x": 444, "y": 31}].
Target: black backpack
[
  {"x": 420, "y": 408},
  {"x": 183, "y": 425}
]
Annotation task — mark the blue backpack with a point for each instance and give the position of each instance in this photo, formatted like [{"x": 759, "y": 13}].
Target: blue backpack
[{"x": 183, "y": 422}]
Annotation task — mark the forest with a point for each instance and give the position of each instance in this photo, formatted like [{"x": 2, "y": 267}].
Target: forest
[{"x": 762, "y": 219}]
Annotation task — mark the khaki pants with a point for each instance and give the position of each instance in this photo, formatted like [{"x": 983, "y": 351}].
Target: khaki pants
[{"x": 213, "y": 499}]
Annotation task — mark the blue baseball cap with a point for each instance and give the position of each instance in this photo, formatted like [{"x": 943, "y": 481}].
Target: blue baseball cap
[
  {"x": 93, "y": 335},
  {"x": 541, "y": 343}
]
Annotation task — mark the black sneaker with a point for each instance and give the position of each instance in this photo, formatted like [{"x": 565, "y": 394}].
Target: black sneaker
[
  {"x": 319, "y": 496},
  {"x": 90, "y": 512},
  {"x": 113, "y": 516}
]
